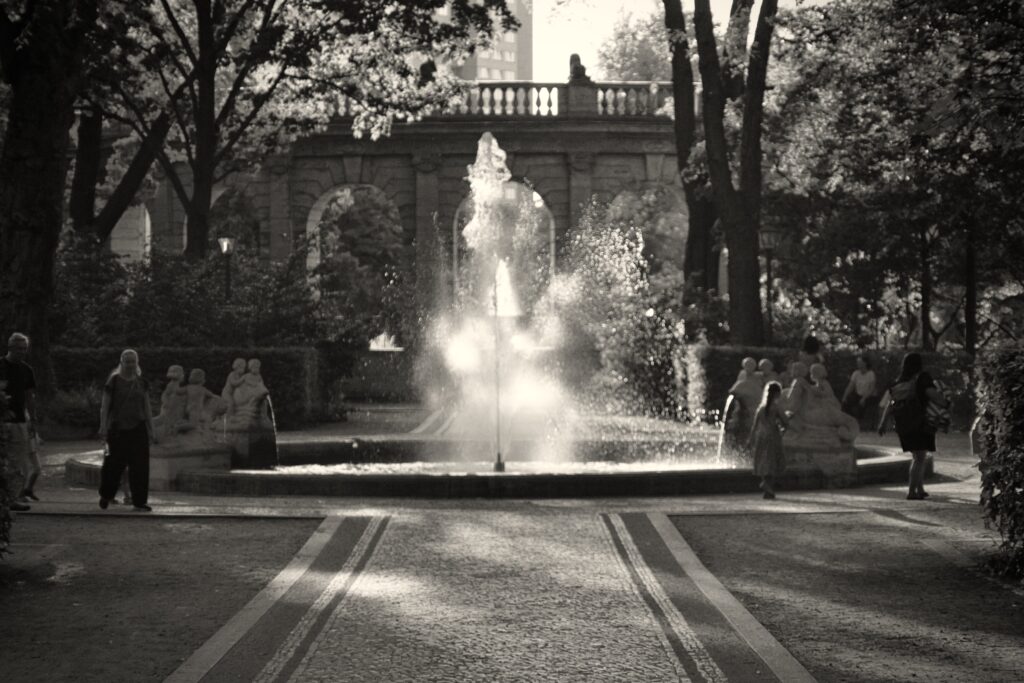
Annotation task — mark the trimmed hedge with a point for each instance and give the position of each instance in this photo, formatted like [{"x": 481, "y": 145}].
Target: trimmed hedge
[
  {"x": 712, "y": 370},
  {"x": 290, "y": 373},
  {"x": 1001, "y": 394},
  {"x": 380, "y": 376}
]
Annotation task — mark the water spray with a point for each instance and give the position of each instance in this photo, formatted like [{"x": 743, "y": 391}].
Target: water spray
[{"x": 499, "y": 466}]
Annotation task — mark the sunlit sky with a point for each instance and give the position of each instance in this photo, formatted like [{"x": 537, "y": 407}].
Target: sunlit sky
[{"x": 562, "y": 27}]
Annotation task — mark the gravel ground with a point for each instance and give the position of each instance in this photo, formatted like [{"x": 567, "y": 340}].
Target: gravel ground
[
  {"x": 127, "y": 599},
  {"x": 865, "y": 596}
]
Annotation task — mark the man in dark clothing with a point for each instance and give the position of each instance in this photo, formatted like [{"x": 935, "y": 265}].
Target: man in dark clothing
[{"x": 18, "y": 382}]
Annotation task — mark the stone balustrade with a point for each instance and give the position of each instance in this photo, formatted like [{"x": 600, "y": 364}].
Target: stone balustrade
[{"x": 528, "y": 99}]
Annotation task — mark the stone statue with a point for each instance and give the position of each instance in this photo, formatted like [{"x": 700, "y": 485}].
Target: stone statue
[
  {"x": 202, "y": 406},
  {"x": 234, "y": 380},
  {"x": 816, "y": 418},
  {"x": 171, "y": 419},
  {"x": 577, "y": 72},
  {"x": 766, "y": 371},
  {"x": 740, "y": 407},
  {"x": 250, "y": 427}
]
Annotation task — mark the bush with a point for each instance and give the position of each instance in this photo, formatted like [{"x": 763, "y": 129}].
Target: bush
[
  {"x": 712, "y": 370},
  {"x": 291, "y": 373},
  {"x": 77, "y": 406},
  {"x": 5, "y": 494},
  {"x": 1001, "y": 379}
]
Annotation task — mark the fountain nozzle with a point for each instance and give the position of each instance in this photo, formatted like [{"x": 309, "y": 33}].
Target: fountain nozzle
[{"x": 499, "y": 465}]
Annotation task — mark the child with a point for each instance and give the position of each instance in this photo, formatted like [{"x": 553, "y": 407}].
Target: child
[{"x": 765, "y": 440}]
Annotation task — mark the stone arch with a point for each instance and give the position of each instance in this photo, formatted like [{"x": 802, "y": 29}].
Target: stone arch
[
  {"x": 314, "y": 253},
  {"x": 520, "y": 196},
  {"x": 132, "y": 237}
]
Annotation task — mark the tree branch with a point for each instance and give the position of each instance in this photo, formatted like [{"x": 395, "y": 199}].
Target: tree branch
[{"x": 176, "y": 26}]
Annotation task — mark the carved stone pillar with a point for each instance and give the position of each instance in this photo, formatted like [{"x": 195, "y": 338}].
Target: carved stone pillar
[
  {"x": 581, "y": 180},
  {"x": 281, "y": 241},
  {"x": 428, "y": 203}
]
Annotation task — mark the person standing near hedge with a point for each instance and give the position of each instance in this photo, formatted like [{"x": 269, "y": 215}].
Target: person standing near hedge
[
  {"x": 18, "y": 382},
  {"x": 765, "y": 441},
  {"x": 861, "y": 388},
  {"x": 126, "y": 422},
  {"x": 906, "y": 401}
]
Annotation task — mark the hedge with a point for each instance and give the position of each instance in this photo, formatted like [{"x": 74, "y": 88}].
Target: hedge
[
  {"x": 290, "y": 373},
  {"x": 1001, "y": 404},
  {"x": 5, "y": 494},
  {"x": 712, "y": 370}
]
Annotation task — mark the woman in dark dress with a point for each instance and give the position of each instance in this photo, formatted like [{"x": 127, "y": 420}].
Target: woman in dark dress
[
  {"x": 906, "y": 401},
  {"x": 126, "y": 422}
]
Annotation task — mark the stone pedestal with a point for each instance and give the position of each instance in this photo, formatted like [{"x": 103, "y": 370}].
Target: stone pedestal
[
  {"x": 253, "y": 439},
  {"x": 826, "y": 467},
  {"x": 167, "y": 462}
]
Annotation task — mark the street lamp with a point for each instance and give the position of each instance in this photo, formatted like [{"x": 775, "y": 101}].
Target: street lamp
[
  {"x": 768, "y": 239},
  {"x": 227, "y": 245}
]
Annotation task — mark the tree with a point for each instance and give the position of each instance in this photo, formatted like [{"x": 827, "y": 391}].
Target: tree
[
  {"x": 43, "y": 47},
  {"x": 738, "y": 207},
  {"x": 236, "y": 78},
  {"x": 637, "y": 50},
  {"x": 240, "y": 80}
]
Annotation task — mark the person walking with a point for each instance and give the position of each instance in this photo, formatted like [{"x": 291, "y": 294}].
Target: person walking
[
  {"x": 126, "y": 422},
  {"x": 18, "y": 382},
  {"x": 765, "y": 440},
  {"x": 906, "y": 402}
]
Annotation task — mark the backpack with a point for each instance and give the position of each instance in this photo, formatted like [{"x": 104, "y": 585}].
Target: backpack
[{"x": 908, "y": 412}]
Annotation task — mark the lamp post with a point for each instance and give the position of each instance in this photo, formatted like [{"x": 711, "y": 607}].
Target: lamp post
[
  {"x": 227, "y": 245},
  {"x": 768, "y": 239}
]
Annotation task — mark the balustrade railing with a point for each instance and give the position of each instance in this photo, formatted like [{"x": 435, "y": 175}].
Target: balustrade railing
[
  {"x": 527, "y": 99},
  {"x": 632, "y": 98},
  {"x": 512, "y": 99}
]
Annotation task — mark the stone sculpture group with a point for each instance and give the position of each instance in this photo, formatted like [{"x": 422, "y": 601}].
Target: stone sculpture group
[
  {"x": 241, "y": 416},
  {"x": 816, "y": 419}
]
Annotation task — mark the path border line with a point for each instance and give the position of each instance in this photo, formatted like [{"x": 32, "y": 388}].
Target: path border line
[
  {"x": 783, "y": 664},
  {"x": 213, "y": 650}
]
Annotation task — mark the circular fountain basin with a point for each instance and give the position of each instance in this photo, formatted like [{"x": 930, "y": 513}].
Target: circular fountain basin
[{"x": 477, "y": 478}]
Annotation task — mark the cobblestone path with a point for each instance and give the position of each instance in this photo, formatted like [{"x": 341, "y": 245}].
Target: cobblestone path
[{"x": 490, "y": 596}]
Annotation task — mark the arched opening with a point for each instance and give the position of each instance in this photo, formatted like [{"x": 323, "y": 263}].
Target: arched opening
[
  {"x": 359, "y": 264},
  {"x": 233, "y": 214},
  {"x": 527, "y": 232},
  {"x": 131, "y": 238}
]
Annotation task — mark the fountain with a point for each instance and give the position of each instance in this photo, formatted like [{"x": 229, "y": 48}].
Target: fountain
[{"x": 501, "y": 423}]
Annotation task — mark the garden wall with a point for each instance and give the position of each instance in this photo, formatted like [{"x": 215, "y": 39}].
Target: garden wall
[{"x": 712, "y": 370}]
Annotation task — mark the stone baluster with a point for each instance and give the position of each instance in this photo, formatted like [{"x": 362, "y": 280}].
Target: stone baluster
[{"x": 521, "y": 101}]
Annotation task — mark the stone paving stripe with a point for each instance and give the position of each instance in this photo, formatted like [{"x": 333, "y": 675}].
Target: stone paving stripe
[
  {"x": 726, "y": 647},
  {"x": 784, "y": 665},
  {"x": 691, "y": 652},
  {"x": 250, "y": 654},
  {"x": 213, "y": 650},
  {"x": 291, "y": 654}
]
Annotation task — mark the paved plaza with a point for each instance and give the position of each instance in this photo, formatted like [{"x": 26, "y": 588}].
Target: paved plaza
[{"x": 702, "y": 588}]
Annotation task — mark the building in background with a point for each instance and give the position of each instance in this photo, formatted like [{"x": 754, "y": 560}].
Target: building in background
[{"x": 510, "y": 58}]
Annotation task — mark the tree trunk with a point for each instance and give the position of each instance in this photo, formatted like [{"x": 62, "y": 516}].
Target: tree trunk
[
  {"x": 44, "y": 72},
  {"x": 198, "y": 211},
  {"x": 971, "y": 288},
  {"x": 746, "y": 325},
  {"x": 128, "y": 187},
  {"x": 699, "y": 263},
  {"x": 926, "y": 292},
  {"x": 88, "y": 162}
]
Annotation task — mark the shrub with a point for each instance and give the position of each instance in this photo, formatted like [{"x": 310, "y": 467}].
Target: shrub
[
  {"x": 290, "y": 373},
  {"x": 5, "y": 494},
  {"x": 77, "y": 406},
  {"x": 1001, "y": 380}
]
